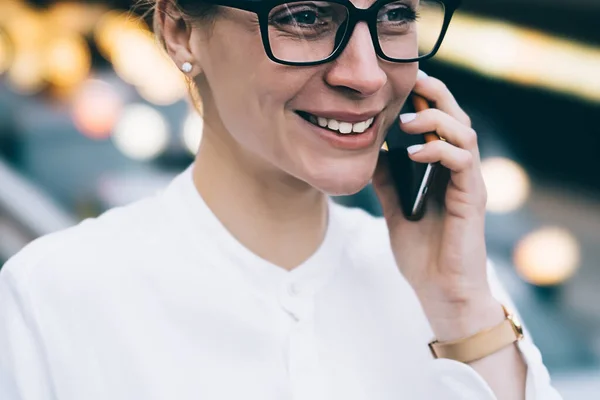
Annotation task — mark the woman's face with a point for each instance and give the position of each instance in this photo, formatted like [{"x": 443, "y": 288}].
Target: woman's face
[{"x": 267, "y": 108}]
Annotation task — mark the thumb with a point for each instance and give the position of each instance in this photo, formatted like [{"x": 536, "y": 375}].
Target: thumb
[{"x": 385, "y": 189}]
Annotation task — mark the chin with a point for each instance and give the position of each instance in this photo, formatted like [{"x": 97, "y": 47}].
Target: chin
[{"x": 342, "y": 179}]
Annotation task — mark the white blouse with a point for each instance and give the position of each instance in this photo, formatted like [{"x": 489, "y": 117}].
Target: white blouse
[{"x": 157, "y": 300}]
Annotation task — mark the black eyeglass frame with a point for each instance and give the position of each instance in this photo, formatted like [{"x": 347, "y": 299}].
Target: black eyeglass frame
[{"x": 262, "y": 8}]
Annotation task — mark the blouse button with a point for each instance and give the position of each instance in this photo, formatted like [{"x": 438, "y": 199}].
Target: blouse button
[{"x": 293, "y": 290}]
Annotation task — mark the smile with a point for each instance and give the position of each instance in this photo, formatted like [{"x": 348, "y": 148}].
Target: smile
[{"x": 337, "y": 126}]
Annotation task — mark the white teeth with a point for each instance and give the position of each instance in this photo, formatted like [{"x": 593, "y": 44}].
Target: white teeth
[
  {"x": 345, "y": 127},
  {"x": 340, "y": 126},
  {"x": 360, "y": 127},
  {"x": 333, "y": 124}
]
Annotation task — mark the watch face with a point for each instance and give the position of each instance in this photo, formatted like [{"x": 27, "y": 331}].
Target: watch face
[{"x": 518, "y": 327}]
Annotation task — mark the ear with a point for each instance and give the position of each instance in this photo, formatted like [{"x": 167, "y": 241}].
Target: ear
[{"x": 176, "y": 33}]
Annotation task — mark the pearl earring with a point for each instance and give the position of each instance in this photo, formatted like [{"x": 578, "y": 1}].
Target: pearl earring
[{"x": 186, "y": 67}]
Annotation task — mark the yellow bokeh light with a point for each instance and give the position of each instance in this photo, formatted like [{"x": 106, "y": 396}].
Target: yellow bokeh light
[
  {"x": 139, "y": 61},
  {"x": 75, "y": 17},
  {"x": 5, "y": 52},
  {"x": 27, "y": 29},
  {"x": 547, "y": 257},
  {"x": 110, "y": 28},
  {"x": 507, "y": 184},
  {"x": 26, "y": 73},
  {"x": 68, "y": 60},
  {"x": 522, "y": 55}
]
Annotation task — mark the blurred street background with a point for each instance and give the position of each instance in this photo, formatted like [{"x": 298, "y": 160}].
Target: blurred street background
[{"x": 93, "y": 116}]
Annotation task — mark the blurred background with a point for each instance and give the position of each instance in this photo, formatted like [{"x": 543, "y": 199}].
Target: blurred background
[{"x": 93, "y": 116}]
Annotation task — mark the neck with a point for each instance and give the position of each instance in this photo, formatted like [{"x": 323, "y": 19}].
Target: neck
[{"x": 276, "y": 216}]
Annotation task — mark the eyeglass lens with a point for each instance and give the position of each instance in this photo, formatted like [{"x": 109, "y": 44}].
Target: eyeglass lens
[{"x": 309, "y": 31}]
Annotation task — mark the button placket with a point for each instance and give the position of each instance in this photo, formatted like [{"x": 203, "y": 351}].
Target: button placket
[
  {"x": 304, "y": 361},
  {"x": 296, "y": 301},
  {"x": 293, "y": 289}
]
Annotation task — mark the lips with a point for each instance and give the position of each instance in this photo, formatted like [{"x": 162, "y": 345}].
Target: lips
[{"x": 338, "y": 126}]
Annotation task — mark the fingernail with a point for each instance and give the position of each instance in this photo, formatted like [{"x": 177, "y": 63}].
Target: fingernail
[
  {"x": 405, "y": 118},
  {"x": 414, "y": 149},
  {"x": 421, "y": 75}
]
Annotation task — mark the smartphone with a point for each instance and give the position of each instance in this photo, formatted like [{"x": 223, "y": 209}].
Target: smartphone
[{"x": 414, "y": 182}]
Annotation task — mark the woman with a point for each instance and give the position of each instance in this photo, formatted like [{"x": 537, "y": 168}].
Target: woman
[{"x": 242, "y": 279}]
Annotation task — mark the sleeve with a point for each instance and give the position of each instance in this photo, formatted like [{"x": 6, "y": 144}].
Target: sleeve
[
  {"x": 23, "y": 368},
  {"x": 458, "y": 381}
]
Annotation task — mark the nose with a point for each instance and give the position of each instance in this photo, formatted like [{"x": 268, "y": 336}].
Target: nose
[{"x": 357, "y": 68}]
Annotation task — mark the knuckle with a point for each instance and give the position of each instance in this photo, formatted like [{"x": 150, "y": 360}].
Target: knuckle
[
  {"x": 438, "y": 85},
  {"x": 465, "y": 119},
  {"x": 438, "y": 146},
  {"x": 470, "y": 137},
  {"x": 432, "y": 117},
  {"x": 431, "y": 114},
  {"x": 468, "y": 159},
  {"x": 438, "y": 114},
  {"x": 484, "y": 196}
]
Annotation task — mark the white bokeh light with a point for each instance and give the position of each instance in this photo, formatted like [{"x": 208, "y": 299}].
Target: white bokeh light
[
  {"x": 507, "y": 184},
  {"x": 192, "y": 132},
  {"x": 141, "y": 133},
  {"x": 548, "y": 256}
]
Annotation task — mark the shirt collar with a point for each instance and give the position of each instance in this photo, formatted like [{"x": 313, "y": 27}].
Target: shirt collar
[{"x": 208, "y": 240}]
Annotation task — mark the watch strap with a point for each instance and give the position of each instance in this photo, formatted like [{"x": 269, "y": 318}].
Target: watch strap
[{"x": 481, "y": 344}]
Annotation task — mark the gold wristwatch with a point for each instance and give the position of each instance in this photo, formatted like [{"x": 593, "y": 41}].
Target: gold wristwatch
[{"x": 481, "y": 344}]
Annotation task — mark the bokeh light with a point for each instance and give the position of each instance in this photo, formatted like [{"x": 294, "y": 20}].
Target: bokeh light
[
  {"x": 5, "y": 52},
  {"x": 75, "y": 17},
  {"x": 138, "y": 60},
  {"x": 96, "y": 109},
  {"x": 68, "y": 60},
  {"x": 507, "y": 184},
  {"x": 548, "y": 256},
  {"x": 26, "y": 73},
  {"x": 192, "y": 132},
  {"x": 523, "y": 55},
  {"x": 27, "y": 28},
  {"x": 141, "y": 133},
  {"x": 110, "y": 27}
]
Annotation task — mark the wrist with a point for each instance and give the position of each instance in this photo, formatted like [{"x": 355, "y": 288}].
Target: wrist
[{"x": 452, "y": 320}]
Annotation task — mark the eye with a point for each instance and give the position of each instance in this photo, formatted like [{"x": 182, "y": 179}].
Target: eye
[
  {"x": 295, "y": 16},
  {"x": 395, "y": 12},
  {"x": 305, "y": 17}
]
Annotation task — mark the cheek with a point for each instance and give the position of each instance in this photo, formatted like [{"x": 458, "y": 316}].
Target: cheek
[
  {"x": 402, "y": 79},
  {"x": 251, "y": 93}
]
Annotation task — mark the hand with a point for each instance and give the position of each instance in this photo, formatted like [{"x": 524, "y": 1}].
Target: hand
[{"x": 443, "y": 256}]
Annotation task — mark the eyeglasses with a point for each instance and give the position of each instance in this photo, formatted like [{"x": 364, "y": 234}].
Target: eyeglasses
[{"x": 312, "y": 32}]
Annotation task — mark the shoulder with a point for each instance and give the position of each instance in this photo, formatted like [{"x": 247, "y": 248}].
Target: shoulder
[{"x": 91, "y": 248}]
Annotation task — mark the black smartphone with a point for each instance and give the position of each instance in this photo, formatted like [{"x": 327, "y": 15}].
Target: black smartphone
[{"x": 413, "y": 181}]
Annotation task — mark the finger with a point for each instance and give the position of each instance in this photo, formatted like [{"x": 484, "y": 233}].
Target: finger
[
  {"x": 446, "y": 126},
  {"x": 450, "y": 156},
  {"x": 459, "y": 161},
  {"x": 384, "y": 187},
  {"x": 436, "y": 92}
]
